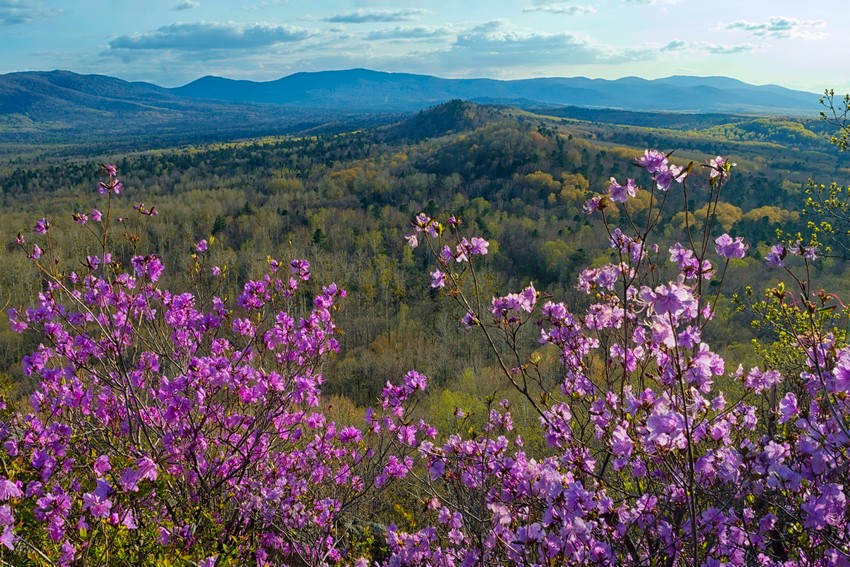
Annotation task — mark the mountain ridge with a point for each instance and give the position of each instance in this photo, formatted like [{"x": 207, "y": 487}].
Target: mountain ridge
[
  {"x": 58, "y": 104},
  {"x": 675, "y": 93}
]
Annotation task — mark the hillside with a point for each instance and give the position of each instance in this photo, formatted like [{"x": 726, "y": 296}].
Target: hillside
[
  {"x": 366, "y": 89},
  {"x": 60, "y": 106}
]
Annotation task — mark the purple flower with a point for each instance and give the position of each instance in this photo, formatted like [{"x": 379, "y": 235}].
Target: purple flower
[
  {"x": 469, "y": 319},
  {"x": 7, "y": 517},
  {"x": 675, "y": 299},
  {"x": 36, "y": 253},
  {"x": 652, "y": 160},
  {"x": 101, "y": 465},
  {"x": 201, "y": 246},
  {"x": 146, "y": 469},
  {"x": 828, "y": 509},
  {"x": 788, "y": 408},
  {"x": 8, "y": 538},
  {"x": 729, "y": 248},
  {"x": 97, "y": 506},
  {"x": 776, "y": 258},
  {"x": 665, "y": 176},
  {"x": 148, "y": 266},
  {"x": 96, "y": 215},
  {"x": 438, "y": 279},
  {"x": 350, "y": 434},
  {"x": 41, "y": 226},
  {"x": 593, "y": 204},
  {"x": 109, "y": 169},
  {"x": 110, "y": 186},
  {"x": 412, "y": 240},
  {"x": 621, "y": 444},
  {"x": 129, "y": 521},
  {"x": 719, "y": 166},
  {"x": 761, "y": 381},
  {"x": 621, "y": 193},
  {"x": 478, "y": 246}
]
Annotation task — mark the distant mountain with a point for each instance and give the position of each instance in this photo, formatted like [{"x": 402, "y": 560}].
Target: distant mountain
[
  {"x": 60, "y": 105},
  {"x": 375, "y": 90}
]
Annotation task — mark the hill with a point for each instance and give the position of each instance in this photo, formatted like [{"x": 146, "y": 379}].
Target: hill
[
  {"x": 60, "y": 106},
  {"x": 366, "y": 89}
]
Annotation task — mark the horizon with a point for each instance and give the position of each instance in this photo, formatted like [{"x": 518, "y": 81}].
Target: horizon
[
  {"x": 174, "y": 42},
  {"x": 413, "y": 74}
]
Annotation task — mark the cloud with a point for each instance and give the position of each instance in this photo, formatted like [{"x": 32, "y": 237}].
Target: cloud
[
  {"x": 417, "y": 33},
  {"x": 781, "y": 28},
  {"x": 500, "y": 44},
  {"x": 710, "y": 47},
  {"x": 13, "y": 12},
  {"x": 372, "y": 16},
  {"x": 187, "y": 5},
  {"x": 204, "y": 36},
  {"x": 652, "y": 2},
  {"x": 561, "y": 8},
  {"x": 264, "y": 4}
]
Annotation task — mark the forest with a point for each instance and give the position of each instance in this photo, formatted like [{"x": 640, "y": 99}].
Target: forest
[
  {"x": 344, "y": 200},
  {"x": 226, "y": 219}
]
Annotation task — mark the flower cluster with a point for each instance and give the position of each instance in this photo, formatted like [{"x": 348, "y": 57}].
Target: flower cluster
[
  {"x": 647, "y": 457},
  {"x": 171, "y": 425}
]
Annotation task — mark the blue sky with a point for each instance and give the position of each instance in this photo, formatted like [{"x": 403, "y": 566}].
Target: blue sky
[{"x": 171, "y": 42}]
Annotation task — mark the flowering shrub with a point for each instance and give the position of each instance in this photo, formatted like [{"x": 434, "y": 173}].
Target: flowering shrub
[
  {"x": 649, "y": 462},
  {"x": 174, "y": 427},
  {"x": 164, "y": 427}
]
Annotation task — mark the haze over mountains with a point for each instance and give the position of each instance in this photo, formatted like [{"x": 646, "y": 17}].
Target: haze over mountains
[{"x": 60, "y": 102}]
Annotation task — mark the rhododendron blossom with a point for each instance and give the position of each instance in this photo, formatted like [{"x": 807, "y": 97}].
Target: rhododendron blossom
[{"x": 174, "y": 426}]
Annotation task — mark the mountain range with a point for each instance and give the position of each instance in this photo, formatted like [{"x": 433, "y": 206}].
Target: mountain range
[{"x": 62, "y": 103}]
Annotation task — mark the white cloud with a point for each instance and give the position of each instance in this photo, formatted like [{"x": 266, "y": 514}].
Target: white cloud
[
  {"x": 417, "y": 33},
  {"x": 652, "y": 2},
  {"x": 204, "y": 36},
  {"x": 187, "y": 5},
  {"x": 561, "y": 8},
  {"x": 372, "y": 16},
  {"x": 500, "y": 44},
  {"x": 14, "y": 12},
  {"x": 781, "y": 28},
  {"x": 710, "y": 47}
]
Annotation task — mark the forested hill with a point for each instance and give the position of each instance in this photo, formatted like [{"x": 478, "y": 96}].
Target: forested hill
[
  {"x": 345, "y": 200},
  {"x": 366, "y": 89},
  {"x": 60, "y": 106}
]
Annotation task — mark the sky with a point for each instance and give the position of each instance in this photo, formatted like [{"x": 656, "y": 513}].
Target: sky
[{"x": 172, "y": 42}]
